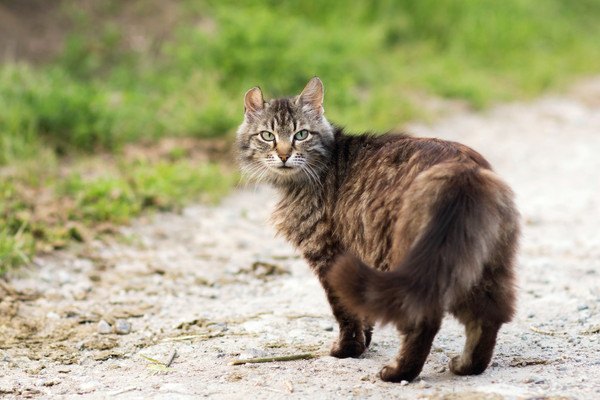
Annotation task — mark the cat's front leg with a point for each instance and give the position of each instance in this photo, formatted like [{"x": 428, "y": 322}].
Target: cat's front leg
[
  {"x": 352, "y": 341},
  {"x": 355, "y": 334}
]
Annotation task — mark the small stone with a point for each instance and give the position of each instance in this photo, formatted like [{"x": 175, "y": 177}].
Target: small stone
[
  {"x": 423, "y": 384},
  {"x": 88, "y": 387},
  {"x": 104, "y": 327},
  {"x": 440, "y": 369},
  {"x": 534, "y": 379},
  {"x": 328, "y": 328},
  {"x": 52, "y": 315},
  {"x": 252, "y": 353},
  {"x": 80, "y": 295},
  {"x": 122, "y": 327},
  {"x": 403, "y": 383},
  {"x": 582, "y": 307}
]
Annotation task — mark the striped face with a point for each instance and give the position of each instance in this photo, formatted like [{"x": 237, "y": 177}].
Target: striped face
[{"x": 285, "y": 140}]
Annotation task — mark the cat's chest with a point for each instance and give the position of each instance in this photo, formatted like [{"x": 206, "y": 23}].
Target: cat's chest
[{"x": 301, "y": 220}]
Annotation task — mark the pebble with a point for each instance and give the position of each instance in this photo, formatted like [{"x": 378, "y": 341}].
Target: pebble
[
  {"x": 80, "y": 295},
  {"x": 423, "y": 384},
  {"x": 50, "y": 382},
  {"x": 87, "y": 387},
  {"x": 403, "y": 383},
  {"x": 252, "y": 353},
  {"x": 582, "y": 307},
  {"x": 52, "y": 315},
  {"x": 104, "y": 327},
  {"x": 122, "y": 327},
  {"x": 534, "y": 379}
]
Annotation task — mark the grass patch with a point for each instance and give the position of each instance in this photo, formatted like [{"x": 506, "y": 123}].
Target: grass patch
[
  {"x": 90, "y": 196},
  {"x": 16, "y": 248}
]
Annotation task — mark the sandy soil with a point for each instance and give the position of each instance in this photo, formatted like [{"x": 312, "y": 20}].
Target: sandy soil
[{"x": 213, "y": 284}]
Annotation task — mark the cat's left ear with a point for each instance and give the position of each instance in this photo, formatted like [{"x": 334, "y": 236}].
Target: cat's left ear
[{"x": 312, "y": 94}]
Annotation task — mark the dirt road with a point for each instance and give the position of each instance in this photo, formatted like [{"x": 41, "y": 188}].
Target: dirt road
[{"x": 212, "y": 284}]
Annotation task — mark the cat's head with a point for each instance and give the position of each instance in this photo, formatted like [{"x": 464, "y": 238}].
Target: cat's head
[{"x": 287, "y": 140}]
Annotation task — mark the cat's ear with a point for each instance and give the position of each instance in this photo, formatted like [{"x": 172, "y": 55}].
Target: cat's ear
[
  {"x": 312, "y": 94},
  {"x": 253, "y": 100}
]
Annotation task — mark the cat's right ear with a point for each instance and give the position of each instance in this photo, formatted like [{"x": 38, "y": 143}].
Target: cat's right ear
[
  {"x": 312, "y": 94},
  {"x": 253, "y": 101}
]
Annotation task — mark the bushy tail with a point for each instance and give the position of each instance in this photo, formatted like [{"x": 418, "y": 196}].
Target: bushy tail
[{"x": 446, "y": 257}]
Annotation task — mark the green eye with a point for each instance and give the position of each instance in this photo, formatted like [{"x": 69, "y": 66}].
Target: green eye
[
  {"x": 268, "y": 136},
  {"x": 301, "y": 135}
]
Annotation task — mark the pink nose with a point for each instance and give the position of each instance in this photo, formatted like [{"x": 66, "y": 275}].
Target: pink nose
[{"x": 284, "y": 157}]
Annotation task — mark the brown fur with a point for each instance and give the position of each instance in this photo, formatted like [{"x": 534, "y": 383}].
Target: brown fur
[{"x": 400, "y": 230}]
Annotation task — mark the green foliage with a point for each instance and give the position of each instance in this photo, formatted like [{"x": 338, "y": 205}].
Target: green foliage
[
  {"x": 16, "y": 248},
  {"x": 62, "y": 206},
  {"x": 371, "y": 55}
]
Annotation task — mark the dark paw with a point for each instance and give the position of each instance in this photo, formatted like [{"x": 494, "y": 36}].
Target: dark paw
[
  {"x": 397, "y": 374},
  {"x": 347, "y": 349},
  {"x": 458, "y": 367},
  {"x": 368, "y": 335}
]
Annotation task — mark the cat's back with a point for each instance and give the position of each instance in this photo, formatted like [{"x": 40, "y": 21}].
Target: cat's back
[
  {"x": 372, "y": 186},
  {"x": 369, "y": 164}
]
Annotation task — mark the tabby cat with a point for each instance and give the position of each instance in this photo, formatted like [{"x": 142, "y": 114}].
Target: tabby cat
[{"x": 398, "y": 229}]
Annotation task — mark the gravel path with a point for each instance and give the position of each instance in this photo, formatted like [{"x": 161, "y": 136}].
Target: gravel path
[{"x": 213, "y": 284}]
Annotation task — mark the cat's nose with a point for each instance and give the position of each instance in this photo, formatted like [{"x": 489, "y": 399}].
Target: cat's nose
[{"x": 284, "y": 157}]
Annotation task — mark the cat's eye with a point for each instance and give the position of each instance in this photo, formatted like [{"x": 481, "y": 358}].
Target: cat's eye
[
  {"x": 268, "y": 136},
  {"x": 301, "y": 135}
]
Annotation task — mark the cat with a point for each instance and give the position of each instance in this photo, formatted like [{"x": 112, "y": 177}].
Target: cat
[{"x": 398, "y": 229}]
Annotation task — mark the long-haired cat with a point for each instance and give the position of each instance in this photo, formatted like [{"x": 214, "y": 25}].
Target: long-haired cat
[{"x": 398, "y": 229}]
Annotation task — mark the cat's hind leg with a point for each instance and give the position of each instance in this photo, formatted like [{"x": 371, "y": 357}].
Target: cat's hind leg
[
  {"x": 482, "y": 313},
  {"x": 479, "y": 347},
  {"x": 413, "y": 353}
]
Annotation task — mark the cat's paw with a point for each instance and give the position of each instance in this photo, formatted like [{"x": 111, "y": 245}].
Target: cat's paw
[
  {"x": 459, "y": 367},
  {"x": 347, "y": 349},
  {"x": 396, "y": 374}
]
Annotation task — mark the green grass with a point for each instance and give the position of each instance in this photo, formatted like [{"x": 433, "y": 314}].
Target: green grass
[
  {"x": 373, "y": 58},
  {"x": 377, "y": 60},
  {"x": 45, "y": 209}
]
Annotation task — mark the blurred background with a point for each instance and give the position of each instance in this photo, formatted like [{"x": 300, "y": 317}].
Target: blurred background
[{"x": 110, "y": 108}]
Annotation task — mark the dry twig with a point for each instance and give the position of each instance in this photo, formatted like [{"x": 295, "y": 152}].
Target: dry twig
[{"x": 293, "y": 357}]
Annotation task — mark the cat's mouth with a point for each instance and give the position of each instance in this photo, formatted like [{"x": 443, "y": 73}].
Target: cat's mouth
[{"x": 285, "y": 170}]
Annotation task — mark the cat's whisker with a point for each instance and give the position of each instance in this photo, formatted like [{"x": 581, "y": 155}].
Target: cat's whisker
[{"x": 312, "y": 175}]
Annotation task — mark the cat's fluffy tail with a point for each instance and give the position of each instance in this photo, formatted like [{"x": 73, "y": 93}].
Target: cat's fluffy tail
[{"x": 467, "y": 213}]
